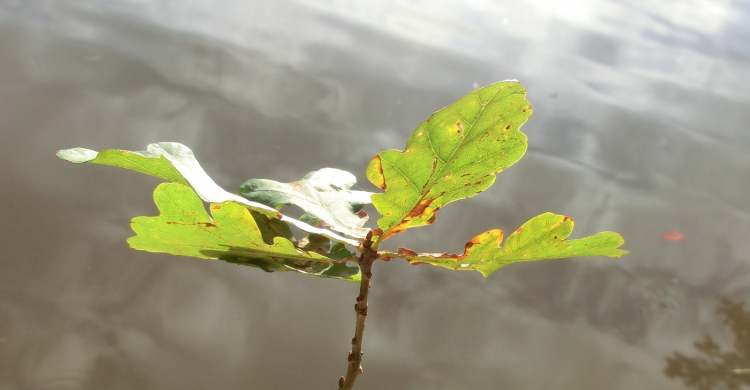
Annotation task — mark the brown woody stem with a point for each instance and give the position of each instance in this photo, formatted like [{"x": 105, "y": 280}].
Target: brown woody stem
[{"x": 354, "y": 361}]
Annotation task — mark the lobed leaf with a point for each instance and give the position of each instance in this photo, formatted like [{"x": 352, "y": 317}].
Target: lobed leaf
[
  {"x": 325, "y": 194},
  {"x": 175, "y": 162},
  {"x": 543, "y": 237},
  {"x": 231, "y": 232},
  {"x": 454, "y": 154}
]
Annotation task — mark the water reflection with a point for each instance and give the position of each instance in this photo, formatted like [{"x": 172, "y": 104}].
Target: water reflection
[
  {"x": 714, "y": 366},
  {"x": 640, "y": 126}
]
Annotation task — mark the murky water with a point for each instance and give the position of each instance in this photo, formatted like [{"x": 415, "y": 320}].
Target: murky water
[{"x": 640, "y": 126}]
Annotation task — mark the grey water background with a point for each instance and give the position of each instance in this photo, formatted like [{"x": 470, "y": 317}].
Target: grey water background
[{"x": 640, "y": 126}]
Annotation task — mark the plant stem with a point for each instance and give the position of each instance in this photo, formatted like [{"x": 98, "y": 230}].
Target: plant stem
[{"x": 354, "y": 361}]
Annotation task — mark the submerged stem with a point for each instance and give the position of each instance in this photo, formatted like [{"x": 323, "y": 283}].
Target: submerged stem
[{"x": 354, "y": 361}]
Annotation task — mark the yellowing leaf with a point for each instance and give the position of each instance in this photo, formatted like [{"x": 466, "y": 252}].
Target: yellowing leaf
[
  {"x": 543, "y": 237},
  {"x": 175, "y": 162},
  {"x": 230, "y": 232},
  {"x": 454, "y": 154}
]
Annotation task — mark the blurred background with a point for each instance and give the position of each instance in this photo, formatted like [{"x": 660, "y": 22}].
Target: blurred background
[{"x": 640, "y": 126}]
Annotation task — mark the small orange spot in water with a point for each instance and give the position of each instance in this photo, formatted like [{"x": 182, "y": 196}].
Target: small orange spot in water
[{"x": 673, "y": 235}]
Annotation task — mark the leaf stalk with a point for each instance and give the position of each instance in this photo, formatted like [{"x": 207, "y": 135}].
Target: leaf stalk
[{"x": 354, "y": 360}]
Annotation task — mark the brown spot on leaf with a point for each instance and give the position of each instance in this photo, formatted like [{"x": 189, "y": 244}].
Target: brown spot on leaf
[
  {"x": 474, "y": 241},
  {"x": 495, "y": 235},
  {"x": 204, "y": 224},
  {"x": 375, "y": 172},
  {"x": 406, "y": 252},
  {"x": 386, "y": 257},
  {"x": 395, "y": 230},
  {"x": 434, "y": 167},
  {"x": 459, "y": 127},
  {"x": 420, "y": 208},
  {"x": 417, "y": 212}
]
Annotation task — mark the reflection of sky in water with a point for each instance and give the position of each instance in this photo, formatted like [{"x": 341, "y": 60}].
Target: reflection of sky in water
[{"x": 639, "y": 126}]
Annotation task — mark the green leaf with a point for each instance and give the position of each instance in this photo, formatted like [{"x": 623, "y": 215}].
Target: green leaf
[
  {"x": 175, "y": 162},
  {"x": 325, "y": 194},
  {"x": 454, "y": 154},
  {"x": 184, "y": 228},
  {"x": 543, "y": 237},
  {"x": 147, "y": 162}
]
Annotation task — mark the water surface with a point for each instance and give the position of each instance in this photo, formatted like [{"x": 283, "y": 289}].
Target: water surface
[{"x": 640, "y": 126}]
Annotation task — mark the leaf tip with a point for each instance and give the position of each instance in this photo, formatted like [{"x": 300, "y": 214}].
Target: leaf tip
[
  {"x": 76, "y": 155},
  {"x": 615, "y": 242},
  {"x": 620, "y": 253},
  {"x": 135, "y": 242}
]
